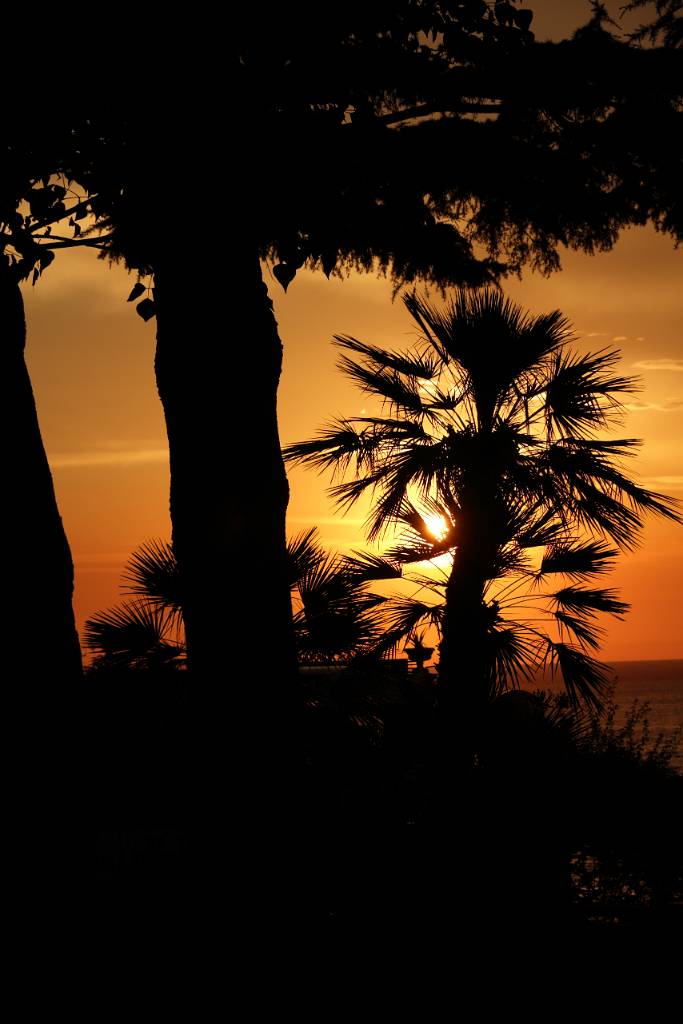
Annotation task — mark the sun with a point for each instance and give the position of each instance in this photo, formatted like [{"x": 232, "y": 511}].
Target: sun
[{"x": 437, "y": 525}]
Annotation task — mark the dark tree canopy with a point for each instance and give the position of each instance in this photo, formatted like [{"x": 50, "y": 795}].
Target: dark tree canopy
[
  {"x": 667, "y": 24},
  {"x": 430, "y": 140},
  {"x": 408, "y": 135}
]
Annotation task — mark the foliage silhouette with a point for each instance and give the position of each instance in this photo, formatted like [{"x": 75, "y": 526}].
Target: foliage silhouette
[
  {"x": 359, "y": 100},
  {"x": 336, "y": 617},
  {"x": 34, "y": 201},
  {"x": 667, "y": 23},
  {"x": 495, "y": 424},
  {"x": 138, "y": 634}
]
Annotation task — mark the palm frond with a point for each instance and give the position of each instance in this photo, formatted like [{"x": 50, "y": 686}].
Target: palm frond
[
  {"x": 152, "y": 572},
  {"x": 581, "y": 393},
  {"x": 490, "y": 338},
  {"x": 365, "y": 567},
  {"x": 540, "y": 528},
  {"x": 399, "y": 393},
  {"x": 137, "y": 632},
  {"x": 408, "y": 551},
  {"x": 598, "y": 512},
  {"x": 511, "y": 652},
  {"x": 338, "y": 617},
  {"x": 304, "y": 553},
  {"x": 335, "y": 448},
  {"x": 347, "y": 494},
  {"x": 444, "y": 401},
  {"x": 412, "y": 364},
  {"x": 577, "y": 559},
  {"x": 402, "y": 616},
  {"x": 415, "y": 466},
  {"x": 589, "y": 601},
  {"x": 585, "y": 679},
  {"x": 393, "y": 430},
  {"x": 585, "y": 632}
]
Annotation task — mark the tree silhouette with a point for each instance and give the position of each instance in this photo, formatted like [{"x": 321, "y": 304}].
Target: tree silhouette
[
  {"x": 330, "y": 135},
  {"x": 33, "y": 202},
  {"x": 495, "y": 424},
  {"x": 336, "y": 618},
  {"x": 667, "y": 23}
]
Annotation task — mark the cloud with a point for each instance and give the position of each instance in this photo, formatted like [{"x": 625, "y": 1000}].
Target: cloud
[
  {"x": 620, "y": 337},
  {"x": 597, "y": 334},
  {"x": 135, "y": 457},
  {"x": 325, "y": 521},
  {"x": 674, "y": 483},
  {"x": 672, "y": 365},
  {"x": 669, "y": 405}
]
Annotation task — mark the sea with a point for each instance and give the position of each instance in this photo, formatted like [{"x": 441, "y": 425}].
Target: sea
[{"x": 659, "y": 685}]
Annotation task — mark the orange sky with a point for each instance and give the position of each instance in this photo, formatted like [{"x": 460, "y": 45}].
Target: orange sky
[{"x": 91, "y": 362}]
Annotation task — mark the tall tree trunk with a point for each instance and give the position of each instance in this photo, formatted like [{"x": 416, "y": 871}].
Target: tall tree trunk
[
  {"x": 218, "y": 365},
  {"x": 42, "y": 645}
]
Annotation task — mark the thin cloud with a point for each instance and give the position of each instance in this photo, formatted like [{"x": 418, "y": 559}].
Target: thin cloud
[
  {"x": 139, "y": 457},
  {"x": 102, "y": 558},
  {"x": 670, "y": 405},
  {"x": 674, "y": 483},
  {"x": 597, "y": 334},
  {"x": 620, "y": 337},
  {"x": 672, "y": 365},
  {"x": 326, "y": 521}
]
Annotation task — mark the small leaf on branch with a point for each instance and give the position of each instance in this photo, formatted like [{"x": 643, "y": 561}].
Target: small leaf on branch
[
  {"x": 46, "y": 258},
  {"x": 77, "y": 230},
  {"x": 284, "y": 273},
  {"x": 146, "y": 309},
  {"x": 81, "y": 213},
  {"x": 137, "y": 290},
  {"x": 505, "y": 12},
  {"x": 329, "y": 262},
  {"x": 523, "y": 19}
]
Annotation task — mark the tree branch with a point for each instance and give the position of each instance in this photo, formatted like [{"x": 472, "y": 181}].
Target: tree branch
[
  {"x": 431, "y": 108},
  {"x": 67, "y": 213},
  {"x": 58, "y": 242}
]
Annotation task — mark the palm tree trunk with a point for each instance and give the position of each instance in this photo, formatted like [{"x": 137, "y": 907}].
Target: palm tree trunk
[
  {"x": 464, "y": 669},
  {"x": 43, "y": 643}
]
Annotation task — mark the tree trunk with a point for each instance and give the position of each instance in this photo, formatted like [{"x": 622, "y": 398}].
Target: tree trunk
[
  {"x": 465, "y": 680},
  {"x": 229, "y": 492},
  {"x": 218, "y": 364},
  {"x": 43, "y": 646}
]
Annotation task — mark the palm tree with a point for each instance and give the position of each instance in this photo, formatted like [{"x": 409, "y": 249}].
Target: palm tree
[
  {"x": 147, "y": 631},
  {"x": 534, "y": 607},
  {"x": 494, "y": 424},
  {"x": 336, "y": 617}
]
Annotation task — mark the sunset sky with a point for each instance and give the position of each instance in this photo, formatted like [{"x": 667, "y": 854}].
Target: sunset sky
[{"x": 91, "y": 362}]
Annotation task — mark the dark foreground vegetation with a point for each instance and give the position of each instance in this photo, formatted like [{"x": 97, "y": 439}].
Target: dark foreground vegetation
[{"x": 563, "y": 825}]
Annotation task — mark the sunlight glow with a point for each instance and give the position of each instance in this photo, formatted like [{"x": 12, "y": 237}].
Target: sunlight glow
[{"x": 437, "y": 526}]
